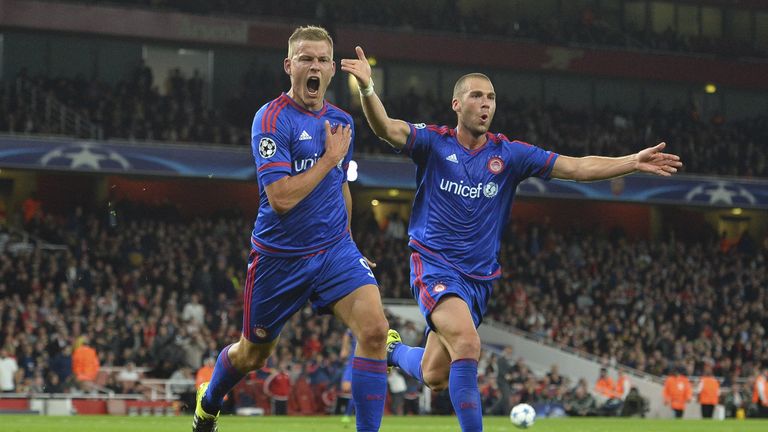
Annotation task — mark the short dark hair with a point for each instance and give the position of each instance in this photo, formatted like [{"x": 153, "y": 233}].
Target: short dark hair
[{"x": 459, "y": 87}]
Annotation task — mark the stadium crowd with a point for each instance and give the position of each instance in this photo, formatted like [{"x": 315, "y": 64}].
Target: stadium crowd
[
  {"x": 132, "y": 109},
  {"x": 587, "y": 25},
  {"x": 135, "y": 110},
  {"x": 158, "y": 296}
]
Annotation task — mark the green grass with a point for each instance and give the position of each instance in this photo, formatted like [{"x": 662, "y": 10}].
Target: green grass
[{"x": 19, "y": 423}]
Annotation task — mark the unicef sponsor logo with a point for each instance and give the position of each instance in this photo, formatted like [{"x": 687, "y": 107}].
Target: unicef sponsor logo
[{"x": 469, "y": 191}]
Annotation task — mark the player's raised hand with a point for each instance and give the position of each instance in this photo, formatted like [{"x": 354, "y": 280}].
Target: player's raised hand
[
  {"x": 653, "y": 161},
  {"x": 337, "y": 142},
  {"x": 358, "y": 67}
]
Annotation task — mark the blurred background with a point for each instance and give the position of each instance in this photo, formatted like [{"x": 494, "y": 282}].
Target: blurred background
[{"x": 127, "y": 196}]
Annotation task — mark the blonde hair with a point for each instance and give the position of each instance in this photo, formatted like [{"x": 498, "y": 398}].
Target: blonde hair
[
  {"x": 460, "y": 88},
  {"x": 311, "y": 33}
]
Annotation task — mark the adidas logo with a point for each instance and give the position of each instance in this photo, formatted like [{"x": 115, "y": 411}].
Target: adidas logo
[
  {"x": 453, "y": 158},
  {"x": 305, "y": 136}
]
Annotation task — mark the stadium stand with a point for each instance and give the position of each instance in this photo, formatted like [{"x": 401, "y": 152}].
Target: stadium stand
[
  {"x": 134, "y": 110},
  {"x": 147, "y": 305},
  {"x": 582, "y": 24}
]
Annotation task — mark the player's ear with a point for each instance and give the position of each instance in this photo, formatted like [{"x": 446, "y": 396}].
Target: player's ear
[
  {"x": 333, "y": 68},
  {"x": 456, "y": 105},
  {"x": 287, "y": 66}
]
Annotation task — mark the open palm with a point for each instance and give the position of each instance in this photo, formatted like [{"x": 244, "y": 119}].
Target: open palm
[{"x": 653, "y": 161}]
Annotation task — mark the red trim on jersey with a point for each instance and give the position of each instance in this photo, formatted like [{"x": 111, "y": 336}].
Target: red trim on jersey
[
  {"x": 272, "y": 126},
  {"x": 306, "y": 111},
  {"x": 546, "y": 165},
  {"x": 274, "y": 164},
  {"x": 442, "y": 130},
  {"x": 267, "y": 112},
  {"x": 269, "y": 120},
  {"x": 418, "y": 268},
  {"x": 249, "y": 282}
]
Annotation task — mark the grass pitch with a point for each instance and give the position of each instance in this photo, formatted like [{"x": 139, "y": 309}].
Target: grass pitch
[{"x": 24, "y": 423}]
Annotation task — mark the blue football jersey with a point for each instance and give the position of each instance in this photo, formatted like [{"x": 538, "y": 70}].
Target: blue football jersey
[
  {"x": 464, "y": 198},
  {"x": 287, "y": 140}
]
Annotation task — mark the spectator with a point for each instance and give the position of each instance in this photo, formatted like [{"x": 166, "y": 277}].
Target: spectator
[
  {"x": 395, "y": 227},
  {"x": 760, "y": 390},
  {"x": 623, "y": 384},
  {"x": 609, "y": 401},
  {"x": 503, "y": 377},
  {"x": 85, "y": 363},
  {"x": 605, "y": 386},
  {"x": 8, "y": 370},
  {"x": 278, "y": 387},
  {"x": 578, "y": 402},
  {"x": 397, "y": 389},
  {"x": 53, "y": 385},
  {"x": 205, "y": 372},
  {"x": 634, "y": 404},
  {"x": 735, "y": 401},
  {"x": 194, "y": 312},
  {"x": 708, "y": 391},
  {"x": 677, "y": 391}
]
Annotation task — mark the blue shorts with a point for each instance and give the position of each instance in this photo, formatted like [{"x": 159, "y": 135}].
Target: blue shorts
[
  {"x": 432, "y": 280},
  {"x": 277, "y": 287}
]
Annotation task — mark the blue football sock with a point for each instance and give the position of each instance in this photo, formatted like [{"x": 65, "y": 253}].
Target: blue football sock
[
  {"x": 350, "y": 407},
  {"x": 225, "y": 376},
  {"x": 408, "y": 359},
  {"x": 465, "y": 396},
  {"x": 369, "y": 392}
]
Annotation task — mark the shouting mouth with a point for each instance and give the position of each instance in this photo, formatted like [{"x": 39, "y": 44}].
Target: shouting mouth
[{"x": 313, "y": 86}]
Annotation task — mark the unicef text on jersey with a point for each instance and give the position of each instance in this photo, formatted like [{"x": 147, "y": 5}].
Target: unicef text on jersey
[{"x": 489, "y": 191}]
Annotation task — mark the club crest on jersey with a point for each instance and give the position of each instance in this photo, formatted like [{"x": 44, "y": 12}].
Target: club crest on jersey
[
  {"x": 260, "y": 332},
  {"x": 420, "y": 125},
  {"x": 267, "y": 148},
  {"x": 490, "y": 190},
  {"x": 495, "y": 165},
  {"x": 439, "y": 288}
]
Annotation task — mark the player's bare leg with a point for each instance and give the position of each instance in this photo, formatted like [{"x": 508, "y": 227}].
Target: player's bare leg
[
  {"x": 233, "y": 363},
  {"x": 436, "y": 363},
  {"x": 363, "y": 313},
  {"x": 457, "y": 333},
  {"x": 247, "y": 356}
]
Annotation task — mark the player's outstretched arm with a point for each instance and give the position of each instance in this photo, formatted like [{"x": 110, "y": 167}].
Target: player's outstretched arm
[
  {"x": 592, "y": 168},
  {"x": 284, "y": 194},
  {"x": 395, "y": 132}
]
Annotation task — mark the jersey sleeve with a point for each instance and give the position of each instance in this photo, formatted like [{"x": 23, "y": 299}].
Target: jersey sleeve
[
  {"x": 419, "y": 142},
  {"x": 271, "y": 146},
  {"x": 532, "y": 161}
]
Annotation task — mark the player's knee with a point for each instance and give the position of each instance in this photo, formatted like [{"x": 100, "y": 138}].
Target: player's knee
[
  {"x": 467, "y": 347},
  {"x": 436, "y": 380},
  {"x": 247, "y": 360},
  {"x": 373, "y": 335}
]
